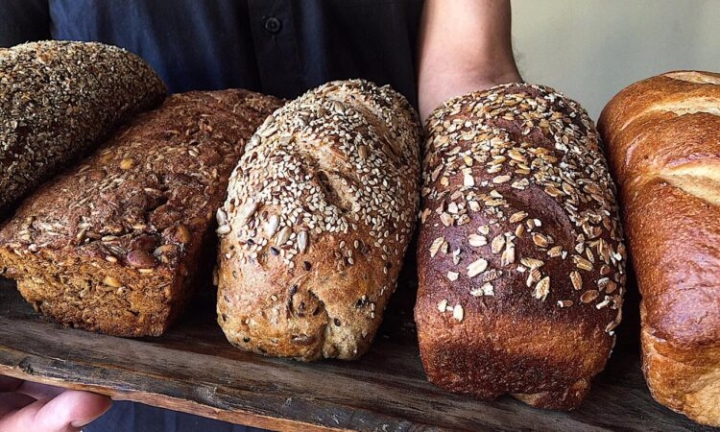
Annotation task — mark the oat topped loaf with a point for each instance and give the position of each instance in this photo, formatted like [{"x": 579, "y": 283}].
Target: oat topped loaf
[
  {"x": 113, "y": 244},
  {"x": 318, "y": 217},
  {"x": 61, "y": 99},
  {"x": 520, "y": 254}
]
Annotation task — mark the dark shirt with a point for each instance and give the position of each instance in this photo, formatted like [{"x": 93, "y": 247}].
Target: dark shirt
[{"x": 278, "y": 47}]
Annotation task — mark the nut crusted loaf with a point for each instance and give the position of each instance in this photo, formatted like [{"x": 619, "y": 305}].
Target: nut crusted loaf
[
  {"x": 113, "y": 245},
  {"x": 520, "y": 255},
  {"x": 60, "y": 99},
  {"x": 664, "y": 151},
  {"x": 319, "y": 214}
]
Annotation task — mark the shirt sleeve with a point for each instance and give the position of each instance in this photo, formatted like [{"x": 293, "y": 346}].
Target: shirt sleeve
[{"x": 23, "y": 21}]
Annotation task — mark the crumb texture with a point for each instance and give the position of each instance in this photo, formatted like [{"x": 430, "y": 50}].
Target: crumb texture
[
  {"x": 113, "y": 244},
  {"x": 521, "y": 263},
  {"x": 59, "y": 100},
  {"x": 319, "y": 214}
]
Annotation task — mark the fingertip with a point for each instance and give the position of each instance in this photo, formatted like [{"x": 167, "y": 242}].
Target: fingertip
[{"x": 73, "y": 410}]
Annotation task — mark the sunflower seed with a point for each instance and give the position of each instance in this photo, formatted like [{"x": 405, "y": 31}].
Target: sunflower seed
[
  {"x": 272, "y": 225},
  {"x": 302, "y": 241},
  {"x": 283, "y": 236}
]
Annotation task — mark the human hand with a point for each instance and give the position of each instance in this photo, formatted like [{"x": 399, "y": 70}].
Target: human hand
[{"x": 27, "y": 406}]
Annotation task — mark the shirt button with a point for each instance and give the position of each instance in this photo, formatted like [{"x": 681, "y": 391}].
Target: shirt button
[{"x": 272, "y": 25}]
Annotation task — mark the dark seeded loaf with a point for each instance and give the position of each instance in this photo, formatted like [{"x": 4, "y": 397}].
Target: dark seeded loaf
[
  {"x": 113, "y": 245},
  {"x": 520, "y": 255},
  {"x": 60, "y": 99},
  {"x": 318, "y": 218}
]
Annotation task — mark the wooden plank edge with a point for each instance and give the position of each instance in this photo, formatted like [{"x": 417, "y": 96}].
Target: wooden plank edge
[{"x": 194, "y": 407}]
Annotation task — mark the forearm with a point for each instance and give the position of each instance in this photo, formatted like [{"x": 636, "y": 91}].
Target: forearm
[{"x": 465, "y": 45}]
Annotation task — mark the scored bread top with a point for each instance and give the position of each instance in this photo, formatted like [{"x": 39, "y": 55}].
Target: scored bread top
[
  {"x": 319, "y": 213},
  {"x": 58, "y": 99}
]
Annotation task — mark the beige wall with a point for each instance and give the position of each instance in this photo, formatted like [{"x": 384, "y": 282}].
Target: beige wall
[{"x": 591, "y": 49}]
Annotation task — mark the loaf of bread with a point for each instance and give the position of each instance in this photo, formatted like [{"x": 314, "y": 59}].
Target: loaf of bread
[
  {"x": 520, "y": 255},
  {"x": 113, "y": 245},
  {"x": 59, "y": 100},
  {"x": 319, "y": 214},
  {"x": 664, "y": 150}
]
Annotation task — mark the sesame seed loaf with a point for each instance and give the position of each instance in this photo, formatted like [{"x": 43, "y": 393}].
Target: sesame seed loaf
[
  {"x": 520, "y": 254},
  {"x": 664, "y": 151},
  {"x": 320, "y": 212},
  {"x": 61, "y": 99},
  {"x": 113, "y": 244}
]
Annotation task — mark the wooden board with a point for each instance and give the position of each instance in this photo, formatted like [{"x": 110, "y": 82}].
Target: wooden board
[{"x": 193, "y": 369}]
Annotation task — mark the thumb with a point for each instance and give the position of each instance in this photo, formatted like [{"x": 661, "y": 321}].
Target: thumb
[{"x": 68, "y": 412}]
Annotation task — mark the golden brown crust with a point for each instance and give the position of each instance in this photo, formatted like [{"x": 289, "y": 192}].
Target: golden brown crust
[
  {"x": 520, "y": 255},
  {"x": 112, "y": 245},
  {"x": 664, "y": 150},
  {"x": 59, "y": 100},
  {"x": 319, "y": 215}
]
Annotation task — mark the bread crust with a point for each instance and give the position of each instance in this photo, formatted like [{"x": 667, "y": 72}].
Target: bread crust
[
  {"x": 664, "y": 151},
  {"x": 520, "y": 254},
  {"x": 113, "y": 245},
  {"x": 59, "y": 100},
  {"x": 319, "y": 215}
]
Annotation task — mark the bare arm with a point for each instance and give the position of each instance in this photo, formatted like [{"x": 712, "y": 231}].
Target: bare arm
[{"x": 464, "y": 46}]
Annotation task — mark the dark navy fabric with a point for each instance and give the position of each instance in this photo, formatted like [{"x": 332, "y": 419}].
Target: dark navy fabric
[
  {"x": 279, "y": 47},
  {"x": 134, "y": 417}
]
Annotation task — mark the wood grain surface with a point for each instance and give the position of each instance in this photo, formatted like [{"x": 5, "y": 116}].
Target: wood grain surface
[{"x": 193, "y": 369}]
